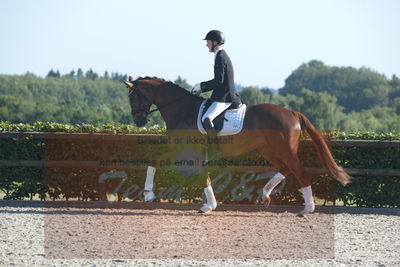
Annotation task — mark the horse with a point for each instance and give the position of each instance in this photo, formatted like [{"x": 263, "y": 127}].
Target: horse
[{"x": 271, "y": 130}]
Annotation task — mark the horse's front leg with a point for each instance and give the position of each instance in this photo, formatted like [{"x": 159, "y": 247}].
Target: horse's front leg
[
  {"x": 148, "y": 193},
  {"x": 211, "y": 202}
]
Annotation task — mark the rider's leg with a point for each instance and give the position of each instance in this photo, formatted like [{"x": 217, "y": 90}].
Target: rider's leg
[
  {"x": 213, "y": 111},
  {"x": 148, "y": 186}
]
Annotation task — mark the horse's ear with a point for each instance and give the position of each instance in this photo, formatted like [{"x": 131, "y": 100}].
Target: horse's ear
[
  {"x": 128, "y": 84},
  {"x": 130, "y": 79}
]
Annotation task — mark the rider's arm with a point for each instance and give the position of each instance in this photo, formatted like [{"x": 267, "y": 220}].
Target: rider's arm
[{"x": 219, "y": 74}]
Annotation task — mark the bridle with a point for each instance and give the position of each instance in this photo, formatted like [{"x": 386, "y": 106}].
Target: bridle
[{"x": 135, "y": 90}]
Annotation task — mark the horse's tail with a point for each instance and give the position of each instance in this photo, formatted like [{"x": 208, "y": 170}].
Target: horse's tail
[{"x": 325, "y": 154}]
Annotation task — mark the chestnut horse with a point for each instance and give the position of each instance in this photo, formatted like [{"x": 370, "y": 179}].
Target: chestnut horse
[{"x": 271, "y": 130}]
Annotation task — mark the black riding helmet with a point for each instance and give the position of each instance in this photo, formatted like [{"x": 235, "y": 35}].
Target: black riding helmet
[{"x": 215, "y": 35}]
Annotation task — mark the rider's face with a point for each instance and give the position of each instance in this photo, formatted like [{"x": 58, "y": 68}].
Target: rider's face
[{"x": 210, "y": 45}]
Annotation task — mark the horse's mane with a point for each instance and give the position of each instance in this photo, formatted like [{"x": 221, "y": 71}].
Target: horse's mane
[
  {"x": 152, "y": 78},
  {"x": 168, "y": 84}
]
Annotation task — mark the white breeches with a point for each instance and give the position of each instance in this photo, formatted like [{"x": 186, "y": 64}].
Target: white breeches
[{"x": 214, "y": 110}]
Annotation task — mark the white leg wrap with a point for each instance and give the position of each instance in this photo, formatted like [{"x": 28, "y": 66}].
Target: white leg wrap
[
  {"x": 308, "y": 199},
  {"x": 211, "y": 201},
  {"x": 148, "y": 185},
  {"x": 149, "y": 196},
  {"x": 272, "y": 183}
]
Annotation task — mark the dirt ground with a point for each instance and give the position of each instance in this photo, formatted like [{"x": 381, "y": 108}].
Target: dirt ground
[{"x": 176, "y": 235}]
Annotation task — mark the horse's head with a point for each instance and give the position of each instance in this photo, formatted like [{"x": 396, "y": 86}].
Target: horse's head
[
  {"x": 172, "y": 101},
  {"x": 140, "y": 104}
]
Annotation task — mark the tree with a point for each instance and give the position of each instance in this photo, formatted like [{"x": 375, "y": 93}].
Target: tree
[
  {"x": 183, "y": 83},
  {"x": 118, "y": 77},
  {"x": 79, "y": 74},
  {"x": 91, "y": 75},
  {"x": 70, "y": 75},
  {"x": 29, "y": 98},
  {"x": 252, "y": 96},
  {"x": 321, "y": 109},
  {"x": 291, "y": 102},
  {"x": 53, "y": 74},
  {"x": 394, "y": 95},
  {"x": 355, "y": 89},
  {"x": 106, "y": 75}
]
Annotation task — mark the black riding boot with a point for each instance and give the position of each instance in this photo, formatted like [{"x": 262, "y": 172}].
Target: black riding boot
[
  {"x": 212, "y": 144},
  {"x": 208, "y": 126}
]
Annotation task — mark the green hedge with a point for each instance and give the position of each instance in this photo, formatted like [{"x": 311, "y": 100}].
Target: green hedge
[
  {"x": 78, "y": 128},
  {"x": 74, "y": 183}
]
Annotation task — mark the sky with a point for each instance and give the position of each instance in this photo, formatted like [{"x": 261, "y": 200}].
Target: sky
[{"x": 266, "y": 40}]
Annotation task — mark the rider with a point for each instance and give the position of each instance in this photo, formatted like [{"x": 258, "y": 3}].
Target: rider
[{"x": 224, "y": 93}]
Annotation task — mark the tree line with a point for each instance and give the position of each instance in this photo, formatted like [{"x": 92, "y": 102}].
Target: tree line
[
  {"x": 337, "y": 98},
  {"x": 333, "y": 98}
]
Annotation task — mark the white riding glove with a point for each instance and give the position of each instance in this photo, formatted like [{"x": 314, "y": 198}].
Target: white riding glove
[{"x": 196, "y": 89}]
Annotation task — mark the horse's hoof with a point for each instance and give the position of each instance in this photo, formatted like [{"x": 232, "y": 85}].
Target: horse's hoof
[
  {"x": 149, "y": 196},
  {"x": 205, "y": 209},
  {"x": 266, "y": 200},
  {"x": 306, "y": 211},
  {"x": 204, "y": 212},
  {"x": 112, "y": 198},
  {"x": 302, "y": 214}
]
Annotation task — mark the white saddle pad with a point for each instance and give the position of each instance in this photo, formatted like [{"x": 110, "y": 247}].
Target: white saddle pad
[{"x": 233, "y": 122}]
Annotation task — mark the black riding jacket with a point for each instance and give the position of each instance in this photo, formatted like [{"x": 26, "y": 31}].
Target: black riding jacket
[{"x": 223, "y": 85}]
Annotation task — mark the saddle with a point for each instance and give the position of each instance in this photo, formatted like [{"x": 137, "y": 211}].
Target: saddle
[{"x": 229, "y": 122}]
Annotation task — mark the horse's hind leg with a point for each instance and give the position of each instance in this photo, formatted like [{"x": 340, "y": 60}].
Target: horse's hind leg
[
  {"x": 287, "y": 162},
  {"x": 304, "y": 179}
]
